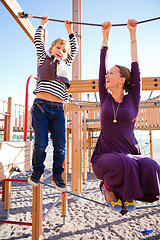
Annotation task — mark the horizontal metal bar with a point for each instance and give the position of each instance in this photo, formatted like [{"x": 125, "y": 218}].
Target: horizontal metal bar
[
  {"x": 15, "y": 180},
  {"x": 92, "y": 120},
  {"x": 49, "y": 210},
  {"x": 47, "y": 176},
  {"x": 17, "y": 223},
  {"x": 25, "y": 15}
]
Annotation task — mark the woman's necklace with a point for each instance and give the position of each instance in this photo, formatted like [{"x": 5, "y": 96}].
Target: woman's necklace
[{"x": 115, "y": 113}]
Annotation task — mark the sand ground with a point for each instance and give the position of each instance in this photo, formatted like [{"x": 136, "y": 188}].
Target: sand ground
[{"x": 85, "y": 220}]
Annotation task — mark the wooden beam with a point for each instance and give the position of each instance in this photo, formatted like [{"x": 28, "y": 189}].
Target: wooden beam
[
  {"x": 148, "y": 83},
  {"x": 85, "y": 147},
  {"x": 151, "y": 144},
  {"x": 14, "y": 8},
  {"x": 83, "y": 86},
  {"x": 81, "y": 107},
  {"x": 64, "y": 175},
  {"x": 76, "y": 115},
  {"x": 151, "y": 83},
  {"x": 37, "y": 209},
  {"x": 9, "y": 110}
]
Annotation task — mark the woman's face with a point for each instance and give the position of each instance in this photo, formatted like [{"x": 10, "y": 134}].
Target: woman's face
[{"x": 113, "y": 78}]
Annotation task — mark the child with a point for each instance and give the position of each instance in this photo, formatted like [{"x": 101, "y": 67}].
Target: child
[{"x": 47, "y": 110}]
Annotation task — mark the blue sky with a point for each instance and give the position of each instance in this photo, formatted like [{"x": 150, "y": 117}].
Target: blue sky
[{"x": 18, "y": 56}]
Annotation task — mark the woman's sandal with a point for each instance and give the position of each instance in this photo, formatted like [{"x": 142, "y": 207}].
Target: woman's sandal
[
  {"x": 115, "y": 205},
  {"x": 130, "y": 205}
]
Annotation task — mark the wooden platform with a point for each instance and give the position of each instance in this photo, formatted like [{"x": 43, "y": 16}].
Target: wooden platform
[{"x": 91, "y": 85}]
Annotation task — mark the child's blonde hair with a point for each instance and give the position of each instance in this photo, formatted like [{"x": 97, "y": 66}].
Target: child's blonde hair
[{"x": 62, "y": 41}]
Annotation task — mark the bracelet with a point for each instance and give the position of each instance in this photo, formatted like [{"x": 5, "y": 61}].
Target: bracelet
[
  {"x": 133, "y": 41},
  {"x": 105, "y": 47}
]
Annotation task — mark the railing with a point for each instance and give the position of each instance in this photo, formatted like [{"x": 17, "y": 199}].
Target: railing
[
  {"x": 26, "y": 107},
  {"x": 5, "y": 119}
]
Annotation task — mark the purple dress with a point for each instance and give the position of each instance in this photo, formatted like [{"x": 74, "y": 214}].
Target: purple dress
[{"x": 116, "y": 159}]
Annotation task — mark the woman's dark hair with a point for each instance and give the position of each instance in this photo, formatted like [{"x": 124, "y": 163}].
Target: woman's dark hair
[{"x": 126, "y": 73}]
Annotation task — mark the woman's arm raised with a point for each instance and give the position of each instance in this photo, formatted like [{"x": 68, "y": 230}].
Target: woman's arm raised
[
  {"x": 106, "y": 26},
  {"x": 132, "y": 27},
  {"x": 135, "y": 91}
]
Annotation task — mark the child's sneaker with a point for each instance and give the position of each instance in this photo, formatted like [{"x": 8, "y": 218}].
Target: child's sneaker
[
  {"x": 59, "y": 183},
  {"x": 34, "y": 179}
]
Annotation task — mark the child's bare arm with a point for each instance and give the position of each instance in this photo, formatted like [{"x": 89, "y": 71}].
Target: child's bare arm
[
  {"x": 69, "y": 26},
  {"x": 44, "y": 21},
  {"x": 73, "y": 42}
]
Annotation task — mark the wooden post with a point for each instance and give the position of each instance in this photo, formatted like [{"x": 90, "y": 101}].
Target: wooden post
[
  {"x": 30, "y": 136},
  {"x": 81, "y": 151},
  {"x": 5, "y": 127},
  {"x": 89, "y": 149},
  {"x": 76, "y": 75},
  {"x": 64, "y": 175},
  {"x": 75, "y": 153},
  {"x": 69, "y": 131},
  {"x": 151, "y": 147},
  {"x": 20, "y": 118},
  {"x": 8, "y": 136},
  {"x": 4, "y": 106},
  {"x": 85, "y": 148},
  {"x": 16, "y": 119},
  {"x": 67, "y": 153},
  {"x": 7, "y": 197},
  {"x": 3, "y": 190},
  {"x": 90, "y": 116},
  {"x": 37, "y": 212},
  {"x": 7, "y": 185}
]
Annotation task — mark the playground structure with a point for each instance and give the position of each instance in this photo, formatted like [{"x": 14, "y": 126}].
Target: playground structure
[
  {"x": 148, "y": 119},
  {"x": 82, "y": 120}
]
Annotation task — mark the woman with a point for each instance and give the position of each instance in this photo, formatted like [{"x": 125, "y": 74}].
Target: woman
[{"x": 126, "y": 175}]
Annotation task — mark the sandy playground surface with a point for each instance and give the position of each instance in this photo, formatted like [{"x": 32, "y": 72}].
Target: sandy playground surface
[{"x": 85, "y": 220}]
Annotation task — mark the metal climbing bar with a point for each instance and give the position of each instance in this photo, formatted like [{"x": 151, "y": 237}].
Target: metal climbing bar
[
  {"x": 26, "y": 181},
  {"x": 26, "y": 15},
  {"x": 15, "y": 180},
  {"x": 4, "y": 114},
  {"x": 151, "y": 206},
  {"x": 96, "y": 202},
  {"x": 51, "y": 186},
  {"x": 17, "y": 223},
  {"x": 79, "y": 196},
  {"x": 62, "y": 195},
  {"x": 50, "y": 209},
  {"x": 47, "y": 176}
]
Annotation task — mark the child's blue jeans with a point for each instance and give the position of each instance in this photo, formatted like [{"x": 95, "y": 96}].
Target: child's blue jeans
[{"x": 48, "y": 118}]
